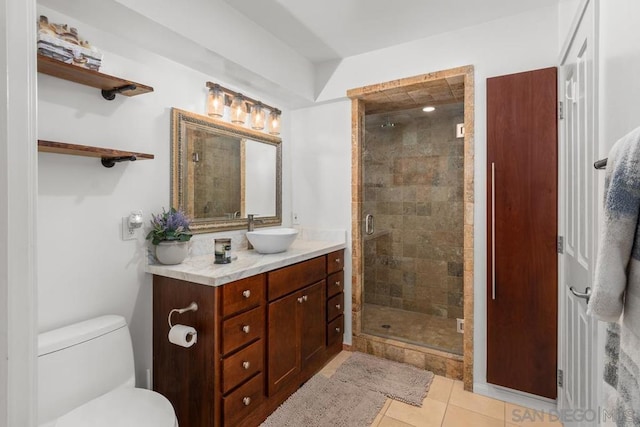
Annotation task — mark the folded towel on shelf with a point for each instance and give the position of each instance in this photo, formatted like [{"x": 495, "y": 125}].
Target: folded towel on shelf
[{"x": 616, "y": 289}]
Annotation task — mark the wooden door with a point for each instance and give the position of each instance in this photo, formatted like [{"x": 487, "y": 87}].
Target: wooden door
[
  {"x": 522, "y": 231},
  {"x": 283, "y": 331},
  {"x": 313, "y": 322}
]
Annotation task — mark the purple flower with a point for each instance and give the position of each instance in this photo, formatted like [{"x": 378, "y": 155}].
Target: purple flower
[{"x": 171, "y": 225}]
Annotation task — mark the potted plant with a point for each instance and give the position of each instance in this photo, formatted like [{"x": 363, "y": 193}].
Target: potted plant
[{"x": 170, "y": 234}]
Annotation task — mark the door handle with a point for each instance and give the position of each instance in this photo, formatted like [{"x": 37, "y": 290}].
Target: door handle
[
  {"x": 368, "y": 224},
  {"x": 493, "y": 230},
  {"x": 586, "y": 294}
]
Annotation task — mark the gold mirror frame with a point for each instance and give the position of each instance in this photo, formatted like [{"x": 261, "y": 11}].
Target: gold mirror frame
[{"x": 180, "y": 118}]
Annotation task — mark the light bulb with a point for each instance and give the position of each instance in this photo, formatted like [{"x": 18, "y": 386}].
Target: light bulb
[
  {"x": 274, "y": 122},
  {"x": 215, "y": 102},
  {"x": 238, "y": 110},
  {"x": 257, "y": 116}
]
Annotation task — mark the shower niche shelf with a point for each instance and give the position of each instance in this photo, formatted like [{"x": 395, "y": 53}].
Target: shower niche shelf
[
  {"x": 109, "y": 85},
  {"x": 108, "y": 156}
]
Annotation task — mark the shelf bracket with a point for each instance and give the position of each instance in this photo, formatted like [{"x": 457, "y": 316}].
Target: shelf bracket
[
  {"x": 109, "y": 162},
  {"x": 110, "y": 95}
]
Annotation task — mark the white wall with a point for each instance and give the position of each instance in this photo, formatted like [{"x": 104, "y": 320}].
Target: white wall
[
  {"x": 619, "y": 66},
  {"x": 567, "y": 16},
  {"x": 321, "y": 170},
  {"x": 519, "y": 43},
  {"x": 206, "y": 35},
  {"x": 86, "y": 269}
]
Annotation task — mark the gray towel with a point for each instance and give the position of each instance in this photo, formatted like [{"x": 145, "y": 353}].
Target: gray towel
[{"x": 616, "y": 289}]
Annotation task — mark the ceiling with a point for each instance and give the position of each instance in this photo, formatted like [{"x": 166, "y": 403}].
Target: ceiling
[
  {"x": 435, "y": 92},
  {"x": 336, "y": 29}
]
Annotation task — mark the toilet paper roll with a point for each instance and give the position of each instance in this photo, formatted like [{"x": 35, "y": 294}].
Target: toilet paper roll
[{"x": 183, "y": 335}]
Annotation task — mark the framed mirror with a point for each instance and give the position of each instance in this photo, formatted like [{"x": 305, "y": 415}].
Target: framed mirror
[{"x": 221, "y": 172}]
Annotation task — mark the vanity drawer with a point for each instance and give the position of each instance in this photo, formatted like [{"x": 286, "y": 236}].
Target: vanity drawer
[
  {"x": 289, "y": 279},
  {"x": 242, "y": 365},
  {"x": 237, "y": 405},
  {"x": 335, "y": 306},
  {"x": 242, "y": 329},
  {"x": 243, "y": 294},
  {"x": 335, "y": 331},
  {"x": 335, "y": 283},
  {"x": 335, "y": 261}
]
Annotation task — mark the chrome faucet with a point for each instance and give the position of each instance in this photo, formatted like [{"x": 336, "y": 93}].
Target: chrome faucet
[{"x": 251, "y": 221}]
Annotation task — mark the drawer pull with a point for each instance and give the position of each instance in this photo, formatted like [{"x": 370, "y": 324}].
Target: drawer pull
[
  {"x": 338, "y": 330},
  {"x": 300, "y": 300},
  {"x": 246, "y": 329},
  {"x": 304, "y": 297},
  {"x": 337, "y": 306},
  {"x": 246, "y": 401},
  {"x": 338, "y": 260},
  {"x": 246, "y": 293},
  {"x": 338, "y": 283},
  {"x": 246, "y": 365}
]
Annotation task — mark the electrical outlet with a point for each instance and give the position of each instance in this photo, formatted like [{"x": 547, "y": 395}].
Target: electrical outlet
[
  {"x": 127, "y": 233},
  {"x": 460, "y": 326},
  {"x": 295, "y": 220}
]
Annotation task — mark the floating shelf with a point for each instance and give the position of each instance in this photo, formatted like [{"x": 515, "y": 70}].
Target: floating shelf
[
  {"x": 108, "y": 156},
  {"x": 109, "y": 85}
]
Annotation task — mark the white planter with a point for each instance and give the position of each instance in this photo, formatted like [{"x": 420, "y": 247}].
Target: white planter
[{"x": 172, "y": 252}]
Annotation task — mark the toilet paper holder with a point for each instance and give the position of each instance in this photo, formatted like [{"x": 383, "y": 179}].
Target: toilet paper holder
[{"x": 191, "y": 307}]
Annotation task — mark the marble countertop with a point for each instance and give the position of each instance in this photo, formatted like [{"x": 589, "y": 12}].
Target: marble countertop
[{"x": 201, "y": 269}]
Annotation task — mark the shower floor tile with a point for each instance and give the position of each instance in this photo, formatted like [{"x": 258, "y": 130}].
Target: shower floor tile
[{"x": 415, "y": 328}]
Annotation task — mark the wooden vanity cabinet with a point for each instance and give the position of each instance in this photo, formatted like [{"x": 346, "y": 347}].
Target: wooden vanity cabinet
[
  {"x": 295, "y": 335},
  {"x": 220, "y": 379},
  {"x": 259, "y": 340}
]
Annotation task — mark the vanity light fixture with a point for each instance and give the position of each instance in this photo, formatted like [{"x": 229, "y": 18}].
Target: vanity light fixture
[
  {"x": 239, "y": 105},
  {"x": 257, "y": 116},
  {"x": 429, "y": 109},
  {"x": 215, "y": 101}
]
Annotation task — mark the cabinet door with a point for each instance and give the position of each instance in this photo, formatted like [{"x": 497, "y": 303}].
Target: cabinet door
[
  {"x": 522, "y": 226},
  {"x": 283, "y": 341},
  {"x": 313, "y": 322}
]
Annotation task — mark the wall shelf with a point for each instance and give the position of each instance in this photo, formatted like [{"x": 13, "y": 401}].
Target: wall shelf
[
  {"x": 108, "y": 156},
  {"x": 109, "y": 85}
]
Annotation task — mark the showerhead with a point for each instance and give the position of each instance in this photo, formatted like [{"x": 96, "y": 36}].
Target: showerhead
[{"x": 387, "y": 124}]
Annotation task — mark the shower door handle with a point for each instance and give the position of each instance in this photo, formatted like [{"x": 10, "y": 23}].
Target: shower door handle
[
  {"x": 368, "y": 224},
  {"x": 493, "y": 230}
]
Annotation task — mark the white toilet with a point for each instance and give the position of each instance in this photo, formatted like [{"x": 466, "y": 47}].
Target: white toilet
[{"x": 86, "y": 379}]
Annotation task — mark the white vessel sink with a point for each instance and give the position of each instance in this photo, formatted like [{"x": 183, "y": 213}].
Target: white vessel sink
[{"x": 273, "y": 240}]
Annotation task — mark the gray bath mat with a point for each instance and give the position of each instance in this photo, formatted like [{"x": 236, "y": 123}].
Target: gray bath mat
[
  {"x": 324, "y": 402},
  {"x": 395, "y": 380}
]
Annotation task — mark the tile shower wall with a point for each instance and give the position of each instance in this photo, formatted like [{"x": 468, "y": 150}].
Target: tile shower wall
[{"x": 413, "y": 174}]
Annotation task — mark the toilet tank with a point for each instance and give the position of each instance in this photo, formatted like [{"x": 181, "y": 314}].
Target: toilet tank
[{"x": 80, "y": 362}]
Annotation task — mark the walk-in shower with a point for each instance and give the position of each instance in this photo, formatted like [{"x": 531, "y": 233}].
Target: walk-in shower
[
  {"x": 413, "y": 243},
  {"x": 412, "y": 288}
]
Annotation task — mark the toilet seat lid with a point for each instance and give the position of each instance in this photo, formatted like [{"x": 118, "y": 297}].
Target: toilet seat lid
[{"x": 123, "y": 407}]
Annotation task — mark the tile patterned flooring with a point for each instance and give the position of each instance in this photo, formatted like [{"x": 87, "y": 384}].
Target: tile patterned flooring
[
  {"x": 448, "y": 405},
  {"x": 415, "y": 328}
]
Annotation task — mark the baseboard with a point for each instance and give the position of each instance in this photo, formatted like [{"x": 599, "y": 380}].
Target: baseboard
[
  {"x": 347, "y": 347},
  {"x": 515, "y": 397}
]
